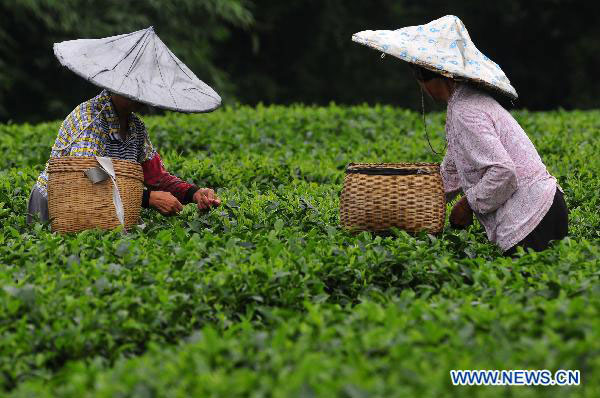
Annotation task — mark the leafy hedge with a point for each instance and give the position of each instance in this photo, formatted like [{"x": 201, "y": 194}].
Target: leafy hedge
[
  {"x": 401, "y": 347},
  {"x": 271, "y": 296}
]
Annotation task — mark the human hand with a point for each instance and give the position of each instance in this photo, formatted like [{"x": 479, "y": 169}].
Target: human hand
[
  {"x": 165, "y": 203},
  {"x": 206, "y": 198},
  {"x": 462, "y": 215}
]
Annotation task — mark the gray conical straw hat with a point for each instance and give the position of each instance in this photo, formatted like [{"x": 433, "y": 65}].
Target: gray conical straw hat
[
  {"x": 139, "y": 66},
  {"x": 443, "y": 46}
]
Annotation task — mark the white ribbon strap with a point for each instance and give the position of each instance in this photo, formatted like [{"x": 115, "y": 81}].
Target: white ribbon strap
[{"x": 106, "y": 165}]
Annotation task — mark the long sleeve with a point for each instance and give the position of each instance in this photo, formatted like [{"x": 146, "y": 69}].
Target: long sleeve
[
  {"x": 450, "y": 177},
  {"x": 158, "y": 179},
  {"x": 484, "y": 152},
  {"x": 505, "y": 181}
]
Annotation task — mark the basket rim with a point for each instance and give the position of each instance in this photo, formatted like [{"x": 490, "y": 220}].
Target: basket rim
[
  {"x": 85, "y": 159},
  {"x": 388, "y": 171},
  {"x": 391, "y": 165},
  {"x": 425, "y": 167},
  {"x": 74, "y": 164}
]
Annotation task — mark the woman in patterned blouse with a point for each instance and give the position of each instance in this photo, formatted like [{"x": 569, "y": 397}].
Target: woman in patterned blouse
[
  {"x": 494, "y": 164},
  {"x": 106, "y": 126}
]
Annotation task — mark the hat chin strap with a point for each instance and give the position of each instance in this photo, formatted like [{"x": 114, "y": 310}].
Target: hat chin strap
[{"x": 425, "y": 125}]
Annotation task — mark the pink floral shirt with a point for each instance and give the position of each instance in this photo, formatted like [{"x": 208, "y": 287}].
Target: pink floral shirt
[{"x": 491, "y": 160}]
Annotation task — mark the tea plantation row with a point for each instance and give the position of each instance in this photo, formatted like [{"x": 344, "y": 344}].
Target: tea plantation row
[{"x": 267, "y": 296}]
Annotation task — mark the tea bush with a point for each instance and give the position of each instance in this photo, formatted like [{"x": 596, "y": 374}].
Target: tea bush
[{"x": 267, "y": 296}]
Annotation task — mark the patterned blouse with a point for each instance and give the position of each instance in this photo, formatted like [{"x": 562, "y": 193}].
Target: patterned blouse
[
  {"x": 92, "y": 129},
  {"x": 491, "y": 159}
]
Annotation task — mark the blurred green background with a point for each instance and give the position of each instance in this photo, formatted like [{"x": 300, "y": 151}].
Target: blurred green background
[{"x": 274, "y": 51}]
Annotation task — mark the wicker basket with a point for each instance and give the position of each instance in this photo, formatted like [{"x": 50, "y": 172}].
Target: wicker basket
[
  {"x": 75, "y": 204},
  {"x": 378, "y": 196}
]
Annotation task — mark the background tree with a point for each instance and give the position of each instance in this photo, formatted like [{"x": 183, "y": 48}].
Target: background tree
[
  {"x": 299, "y": 51},
  {"x": 34, "y": 86},
  {"x": 302, "y": 50}
]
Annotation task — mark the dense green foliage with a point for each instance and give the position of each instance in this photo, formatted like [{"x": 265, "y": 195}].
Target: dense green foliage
[
  {"x": 267, "y": 296},
  {"x": 283, "y": 52}
]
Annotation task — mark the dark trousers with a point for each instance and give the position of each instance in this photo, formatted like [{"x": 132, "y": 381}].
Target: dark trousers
[
  {"x": 37, "y": 207},
  {"x": 554, "y": 226}
]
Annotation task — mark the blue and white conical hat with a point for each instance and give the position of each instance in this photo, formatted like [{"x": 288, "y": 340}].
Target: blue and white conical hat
[{"x": 443, "y": 46}]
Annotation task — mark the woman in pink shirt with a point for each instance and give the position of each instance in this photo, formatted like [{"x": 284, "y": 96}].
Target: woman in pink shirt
[
  {"x": 490, "y": 159},
  {"x": 493, "y": 163}
]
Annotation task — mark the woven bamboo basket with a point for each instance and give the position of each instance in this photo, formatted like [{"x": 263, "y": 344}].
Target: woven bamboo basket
[
  {"x": 75, "y": 204},
  {"x": 379, "y": 196}
]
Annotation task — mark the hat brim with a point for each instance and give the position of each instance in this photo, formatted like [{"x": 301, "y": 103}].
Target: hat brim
[
  {"x": 442, "y": 46},
  {"x": 140, "y": 67}
]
